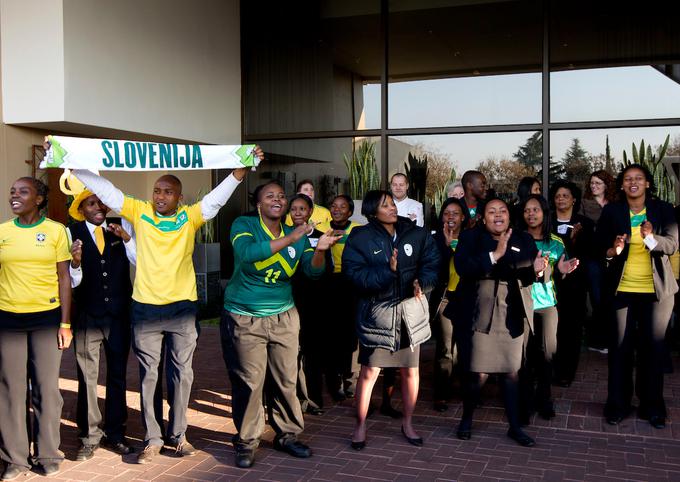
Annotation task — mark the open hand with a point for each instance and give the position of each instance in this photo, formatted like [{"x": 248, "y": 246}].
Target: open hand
[
  {"x": 502, "y": 245},
  {"x": 540, "y": 263},
  {"x": 328, "y": 239},
  {"x": 118, "y": 230},
  {"x": 567, "y": 266},
  {"x": 301, "y": 230},
  {"x": 578, "y": 227}
]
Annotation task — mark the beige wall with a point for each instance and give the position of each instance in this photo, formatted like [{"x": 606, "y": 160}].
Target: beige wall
[
  {"x": 152, "y": 70},
  {"x": 167, "y": 68}
]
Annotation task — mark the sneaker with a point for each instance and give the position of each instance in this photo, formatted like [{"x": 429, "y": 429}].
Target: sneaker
[
  {"x": 86, "y": 452},
  {"x": 49, "y": 469},
  {"x": 147, "y": 455},
  {"x": 184, "y": 449},
  {"x": 12, "y": 471}
]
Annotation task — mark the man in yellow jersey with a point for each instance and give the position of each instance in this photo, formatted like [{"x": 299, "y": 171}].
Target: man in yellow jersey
[
  {"x": 164, "y": 294},
  {"x": 320, "y": 214}
]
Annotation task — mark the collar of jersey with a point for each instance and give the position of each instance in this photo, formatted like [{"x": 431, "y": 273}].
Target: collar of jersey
[
  {"x": 269, "y": 233},
  {"x": 19, "y": 225}
]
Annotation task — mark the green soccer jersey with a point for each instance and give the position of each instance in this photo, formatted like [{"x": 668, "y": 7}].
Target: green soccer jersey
[
  {"x": 543, "y": 294},
  {"x": 261, "y": 283}
]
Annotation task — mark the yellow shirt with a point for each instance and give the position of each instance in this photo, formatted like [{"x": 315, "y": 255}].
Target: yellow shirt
[
  {"x": 28, "y": 265},
  {"x": 454, "y": 278},
  {"x": 320, "y": 215},
  {"x": 165, "y": 245},
  {"x": 339, "y": 247},
  {"x": 637, "y": 273}
]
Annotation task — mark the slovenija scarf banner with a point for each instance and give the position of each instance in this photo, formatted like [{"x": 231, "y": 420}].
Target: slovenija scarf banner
[{"x": 110, "y": 155}]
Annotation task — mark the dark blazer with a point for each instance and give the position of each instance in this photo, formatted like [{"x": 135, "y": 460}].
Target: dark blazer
[
  {"x": 479, "y": 280},
  {"x": 615, "y": 221},
  {"x": 366, "y": 263},
  {"x": 106, "y": 288}
]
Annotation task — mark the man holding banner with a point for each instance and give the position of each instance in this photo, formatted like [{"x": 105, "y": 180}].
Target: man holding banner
[{"x": 164, "y": 293}]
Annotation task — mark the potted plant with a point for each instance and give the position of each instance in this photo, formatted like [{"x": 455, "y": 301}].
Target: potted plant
[
  {"x": 206, "y": 259},
  {"x": 363, "y": 175}
]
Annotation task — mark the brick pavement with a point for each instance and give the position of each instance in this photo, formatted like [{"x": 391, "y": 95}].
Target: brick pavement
[{"x": 576, "y": 445}]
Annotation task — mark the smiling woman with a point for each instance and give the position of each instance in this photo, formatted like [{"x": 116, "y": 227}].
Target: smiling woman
[
  {"x": 260, "y": 325},
  {"x": 35, "y": 302}
]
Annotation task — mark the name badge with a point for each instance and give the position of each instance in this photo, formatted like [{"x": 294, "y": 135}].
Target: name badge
[
  {"x": 313, "y": 242},
  {"x": 563, "y": 228},
  {"x": 515, "y": 249}
]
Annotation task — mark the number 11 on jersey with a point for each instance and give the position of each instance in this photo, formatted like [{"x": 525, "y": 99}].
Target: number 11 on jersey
[{"x": 272, "y": 276}]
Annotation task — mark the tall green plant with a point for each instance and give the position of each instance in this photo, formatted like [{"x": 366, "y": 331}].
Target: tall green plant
[
  {"x": 362, "y": 169},
  {"x": 663, "y": 180},
  {"x": 416, "y": 173}
]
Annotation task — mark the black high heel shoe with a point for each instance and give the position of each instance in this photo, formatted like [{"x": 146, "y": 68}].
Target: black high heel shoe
[
  {"x": 418, "y": 442},
  {"x": 358, "y": 445}
]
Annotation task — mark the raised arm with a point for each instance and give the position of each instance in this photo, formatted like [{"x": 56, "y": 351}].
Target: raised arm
[
  {"x": 102, "y": 188},
  {"x": 218, "y": 197}
]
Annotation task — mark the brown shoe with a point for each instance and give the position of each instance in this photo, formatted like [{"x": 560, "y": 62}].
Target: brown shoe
[
  {"x": 184, "y": 449},
  {"x": 147, "y": 455}
]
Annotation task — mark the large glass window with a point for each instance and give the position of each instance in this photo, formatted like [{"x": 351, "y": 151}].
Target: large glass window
[
  {"x": 320, "y": 160},
  {"x": 575, "y": 154},
  {"x": 614, "y": 60},
  {"x": 504, "y": 158},
  {"x": 310, "y": 66},
  {"x": 456, "y": 63}
]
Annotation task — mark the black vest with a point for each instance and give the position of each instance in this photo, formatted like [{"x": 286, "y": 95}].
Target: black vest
[{"x": 106, "y": 288}]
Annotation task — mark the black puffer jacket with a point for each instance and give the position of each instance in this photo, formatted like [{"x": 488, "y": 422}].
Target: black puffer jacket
[{"x": 366, "y": 262}]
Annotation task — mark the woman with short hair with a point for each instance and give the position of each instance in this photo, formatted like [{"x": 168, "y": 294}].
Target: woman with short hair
[
  {"x": 35, "y": 305},
  {"x": 391, "y": 262}
]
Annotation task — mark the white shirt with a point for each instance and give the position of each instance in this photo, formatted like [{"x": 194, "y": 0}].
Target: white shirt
[
  {"x": 410, "y": 208},
  {"x": 130, "y": 249}
]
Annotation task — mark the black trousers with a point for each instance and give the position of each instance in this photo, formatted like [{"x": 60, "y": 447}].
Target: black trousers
[
  {"x": 571, "y": 306},
  {"x": 30, "y": 355},
  {"x": 446, "y": 356},
  {"x": 89, "y": 337},
  {"x": 536, "y": 373},
  {"x": 640, "y": 326}
]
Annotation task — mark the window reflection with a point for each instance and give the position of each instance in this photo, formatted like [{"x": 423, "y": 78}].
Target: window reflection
[
  {"x": 306, "y": 65},
  {"x": 447, "y": 67}
]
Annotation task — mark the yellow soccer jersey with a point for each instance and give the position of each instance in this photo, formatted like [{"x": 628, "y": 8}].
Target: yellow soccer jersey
[
  {"x": 165, "y": 245},
  {"x": 28, "y": 265},
  {"x": 339, "y": 247},
  {"x": 319, "y": 215}
]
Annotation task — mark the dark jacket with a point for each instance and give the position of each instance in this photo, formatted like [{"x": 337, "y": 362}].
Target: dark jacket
[
  {"x": 366, "y": 263},
  {"x": 106, "y": 288},
  {"x": 615, "y": 220},
  {"x": 479, "y": 280}
]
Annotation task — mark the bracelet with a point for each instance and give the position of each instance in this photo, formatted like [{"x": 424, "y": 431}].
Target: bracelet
[{"x": 65, "y": 325}]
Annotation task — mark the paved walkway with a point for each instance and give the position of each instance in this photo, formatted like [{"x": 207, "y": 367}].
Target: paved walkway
[{"x": 576, "y": 445}]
